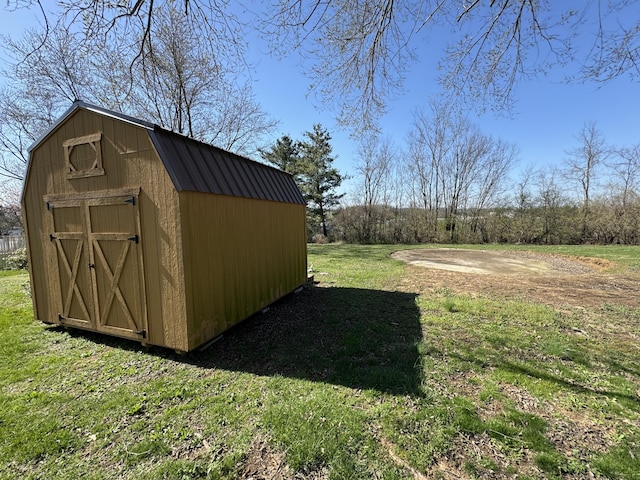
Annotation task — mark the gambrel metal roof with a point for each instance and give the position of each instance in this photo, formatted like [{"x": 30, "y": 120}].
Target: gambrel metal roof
[{"x": 200, "y": 167}]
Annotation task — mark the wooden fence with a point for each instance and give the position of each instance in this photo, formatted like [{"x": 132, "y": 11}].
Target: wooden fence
[{"x": 9, "y": 245}]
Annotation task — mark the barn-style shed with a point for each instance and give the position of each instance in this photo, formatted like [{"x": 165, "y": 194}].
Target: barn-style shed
[{"x": 139, "y": 232}]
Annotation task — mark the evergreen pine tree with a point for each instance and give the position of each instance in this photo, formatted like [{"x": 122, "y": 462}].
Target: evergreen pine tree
[
  {"x": 284, "y": 154},
  {"x": 318, "y": 178}
]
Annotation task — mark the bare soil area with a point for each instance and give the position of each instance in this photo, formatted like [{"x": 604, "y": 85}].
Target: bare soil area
[{"x": 555, "y": 280}]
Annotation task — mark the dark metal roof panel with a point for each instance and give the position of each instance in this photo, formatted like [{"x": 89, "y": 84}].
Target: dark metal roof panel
[
  {"x": 278, "y": 181},
  {"x": 213, "y": 172},
  {"x": 197, "y": 166},
  {"x": 231, "y": 174}
]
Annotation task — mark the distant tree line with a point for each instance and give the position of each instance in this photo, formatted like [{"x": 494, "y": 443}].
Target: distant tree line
[{"x": 452, "y": 183}]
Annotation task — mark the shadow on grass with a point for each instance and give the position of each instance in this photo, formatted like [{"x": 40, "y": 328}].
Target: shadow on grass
[{"x": 365, "y": 339}]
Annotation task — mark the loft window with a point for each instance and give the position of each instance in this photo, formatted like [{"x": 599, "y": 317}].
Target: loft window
[{"x": 83, "y": 156}]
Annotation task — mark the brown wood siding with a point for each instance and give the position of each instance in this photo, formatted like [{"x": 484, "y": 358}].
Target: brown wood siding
[
  {"x": 129, "y": 161},
  {"x": 119, "y": 249},
  {"x": 240, "y": 256},
  {"x": 32, "y": 208}
]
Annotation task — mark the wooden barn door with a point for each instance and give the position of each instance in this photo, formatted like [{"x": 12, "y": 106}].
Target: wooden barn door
[
  {"x": 100, "y": 264},
  {"x": 75, "y": 305},
  {"x": 115, "y": 260}
]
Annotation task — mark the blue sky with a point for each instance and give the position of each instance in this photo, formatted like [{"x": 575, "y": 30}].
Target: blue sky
[
  {"x": 549, "y": 114},
  {"x": 547, "y": 117}
]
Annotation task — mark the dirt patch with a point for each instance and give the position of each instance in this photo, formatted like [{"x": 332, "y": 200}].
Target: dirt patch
[
  {"x": 263, "y": 462},
  {"x": 485, "y": 262},
  {"x": 555, "y": 280}
]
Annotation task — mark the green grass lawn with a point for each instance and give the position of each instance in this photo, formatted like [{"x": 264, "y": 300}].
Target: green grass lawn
[{"x": 355, "y": 377}]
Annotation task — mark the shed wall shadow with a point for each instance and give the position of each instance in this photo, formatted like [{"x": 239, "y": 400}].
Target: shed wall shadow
[{"x": 362, "y": 339}]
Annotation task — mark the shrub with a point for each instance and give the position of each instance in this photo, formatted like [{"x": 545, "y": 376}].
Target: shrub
[
  {"x": 17, "y": 260},
  {"x": 320, "y": 239}
]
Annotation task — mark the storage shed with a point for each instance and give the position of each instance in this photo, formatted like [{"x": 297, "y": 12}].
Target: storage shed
[{"x": 142, "y": 233}]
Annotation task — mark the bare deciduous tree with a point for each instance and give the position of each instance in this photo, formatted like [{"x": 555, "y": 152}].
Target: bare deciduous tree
[
  {"x": 616, "y": 213},
  {"x": 455, "y": 166},
  {"x": 364, "y": 48},
  {"x": 627, "y": 172},
  {"x": 582, "y": 166},
  {"x": 491, "y": 181},
  {"x": 523, "y": 225},
  {"x": 361, "y": 49},
  {"x": 374, "y": 166},
  {"x": 551, "y": 201},
  {"x": 177, "y": 82},
  {"x": 429, "y": 144},
  {"x": 187, "y": 88},
  {"x": 46, "y": 76}
]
